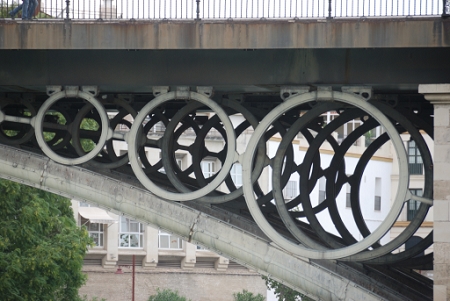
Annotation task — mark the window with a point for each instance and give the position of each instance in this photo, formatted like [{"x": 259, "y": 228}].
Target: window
[
  {"x": 158, "y": 127},
  {"x": 95, "y": 230},
  {"x": 322, "y": 193},
  {"x": 290, "y": 190},
  {"x": 413, "y": 205},
  {"x": 169, "y": 241},
  {"x": 236, "y": 174},
  {"x": 207, "y": 168},
  {"x": 377, "y": 203},
  {"x": 414, "y": 159},
  {"x": 179, "y": 163},
  {"x": 131, "y": 233},
  {"x": 348, "y": 200}
]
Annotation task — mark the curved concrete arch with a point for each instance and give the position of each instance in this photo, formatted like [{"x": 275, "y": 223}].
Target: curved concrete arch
[{"x": 222, "y": 237}]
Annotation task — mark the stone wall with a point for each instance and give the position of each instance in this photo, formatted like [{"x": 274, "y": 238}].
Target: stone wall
[{"x": 197, "y": 284}]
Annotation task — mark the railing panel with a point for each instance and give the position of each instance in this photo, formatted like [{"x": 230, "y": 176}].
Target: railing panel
[{"x": 231, "y": 9}]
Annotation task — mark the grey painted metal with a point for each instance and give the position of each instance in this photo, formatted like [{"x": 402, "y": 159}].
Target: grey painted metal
[
  {"x": 134, "y": 143},
  {"x": 326, "y": 95},
  {"x": 234, "y": 71},
  {"x": 277, "y": 168},
  {"x": 29, "y": 129},
  {"x": 230, "y": 106},
  {"x": 114, "y": 122},
  {"x": 284, "y": 34},
  {"x": 230, "y": 241},
  {"x": 38, "y": 124}
]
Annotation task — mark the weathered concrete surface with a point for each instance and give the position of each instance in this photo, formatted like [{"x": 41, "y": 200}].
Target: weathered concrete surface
[{"x": 250, "y": 34}]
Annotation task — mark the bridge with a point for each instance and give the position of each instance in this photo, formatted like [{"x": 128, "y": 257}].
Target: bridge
[{"x": 71, "y": 88}]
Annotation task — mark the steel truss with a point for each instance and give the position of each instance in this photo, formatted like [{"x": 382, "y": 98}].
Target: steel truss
[{"x": 57, "y": 127}]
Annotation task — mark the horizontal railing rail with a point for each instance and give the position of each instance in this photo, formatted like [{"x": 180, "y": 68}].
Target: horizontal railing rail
[{"x": 230, "y": 9}]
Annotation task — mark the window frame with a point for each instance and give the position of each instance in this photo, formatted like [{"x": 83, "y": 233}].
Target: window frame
[
  {"x": 139, "y": 234},
  {"x": 211, "y": 172},
  {"x": 171, "y": 237},
  {"x": 412, "y": 206},
  {"x": 91, "y": 232},
  {"x": 236, "y": 174},
  {"x": 415, "y": 162}
]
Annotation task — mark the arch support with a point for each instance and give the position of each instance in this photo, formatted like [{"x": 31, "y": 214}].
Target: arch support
[{"x": 224, "y": 238}]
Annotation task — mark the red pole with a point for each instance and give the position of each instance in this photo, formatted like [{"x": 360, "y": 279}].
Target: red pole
[{"x": 132, "y": 286}]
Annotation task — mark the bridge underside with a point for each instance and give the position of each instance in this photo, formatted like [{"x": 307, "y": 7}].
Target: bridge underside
[{"x": 393, "y": 71}]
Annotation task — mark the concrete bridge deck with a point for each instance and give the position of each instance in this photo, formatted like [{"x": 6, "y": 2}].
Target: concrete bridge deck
[{"x": 390, "y": 54}]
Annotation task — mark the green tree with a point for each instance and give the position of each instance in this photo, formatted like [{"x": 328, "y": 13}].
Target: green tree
[
  {"x": 167, "y": 295},
  {"x": 247, "y": 296},
  {"x": 284, "y": 293},
  {"x": 41, "y": 247}
]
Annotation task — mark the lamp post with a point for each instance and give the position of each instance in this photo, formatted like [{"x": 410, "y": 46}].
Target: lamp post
[{"x": 119, "y": 271}]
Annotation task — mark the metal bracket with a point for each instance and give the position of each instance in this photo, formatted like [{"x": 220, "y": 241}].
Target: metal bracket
[
  {"x": 390, "y": 99},
  {"x": 93, "y": 90},
  {"x": 207, "y": 91},
  {"x": 158, "y": 90},
  {"x": 53, "y": 89},
  {"x": 236, "y": 97},
  {"x": 363, "y": 91},
  {"x": 182, "y": 92},
  {"x": 289, "y": 91},
  {"x": 71, "y": 91},
  {"x": 127, "y": 97}
]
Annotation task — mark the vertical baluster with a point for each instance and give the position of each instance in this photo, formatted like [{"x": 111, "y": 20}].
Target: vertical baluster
[
  {"x": 307, "y": 8},
  {"x": 67, "y": 9},
  {"x": 329, "y": 9}
]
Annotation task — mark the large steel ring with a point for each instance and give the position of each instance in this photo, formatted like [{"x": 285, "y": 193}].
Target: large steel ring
[
  {"x": 135, "y": 140},
  {"x": 38, "y": 124},
  {"x": 397, "y": 205}
]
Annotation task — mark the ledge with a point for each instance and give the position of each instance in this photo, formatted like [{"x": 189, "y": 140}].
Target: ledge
[{"x": 424, "y": 32}]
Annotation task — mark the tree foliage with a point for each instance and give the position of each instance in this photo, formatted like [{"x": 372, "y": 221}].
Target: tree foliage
[
  {"x": 284, "y": 293},
  {"x": 41, "y": 248},
  {"x": 167, "y": 295},
  {"x": 247, "y": 296}
]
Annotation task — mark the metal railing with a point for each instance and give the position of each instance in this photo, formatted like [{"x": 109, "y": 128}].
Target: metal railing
[{"x": 231, "y": 9}]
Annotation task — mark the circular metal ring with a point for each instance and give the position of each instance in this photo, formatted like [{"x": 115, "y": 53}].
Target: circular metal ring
[
  {"x": 29, "y": 131},
  {"x": 114, "y": 160},
  {"x": 133, "y": 140},
  {"x": 237, "y": 192},
  {"x": 39, "y": 124},
  {"x": 259, "y": 217}
]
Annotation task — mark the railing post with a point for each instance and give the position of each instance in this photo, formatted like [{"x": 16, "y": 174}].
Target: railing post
[
  {"x": 329, "y": 9},
  {"x": 67, "y": 10},
  {"x": 198, "y": 11}
]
